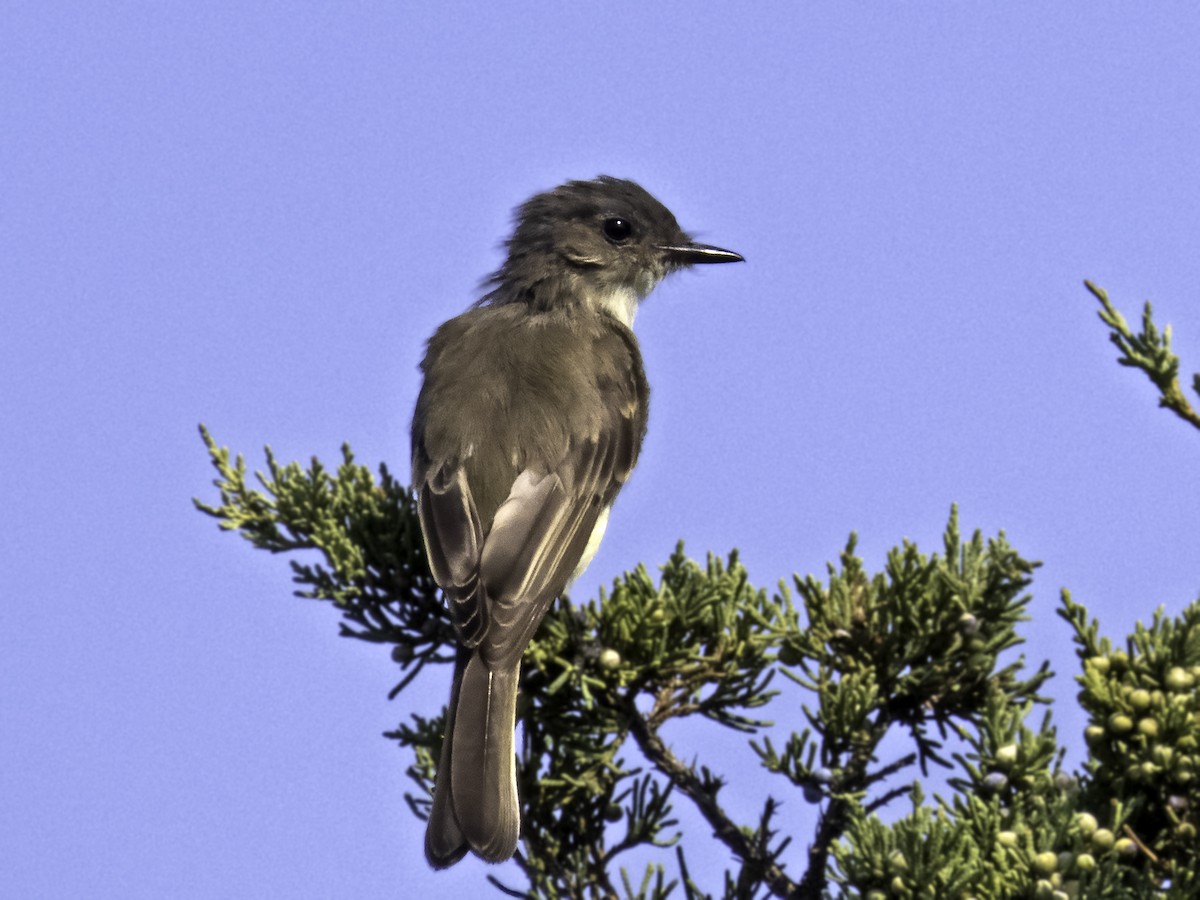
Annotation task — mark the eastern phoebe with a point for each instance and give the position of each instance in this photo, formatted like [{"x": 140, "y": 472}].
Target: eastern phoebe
[{"x": 528, "y": 423}]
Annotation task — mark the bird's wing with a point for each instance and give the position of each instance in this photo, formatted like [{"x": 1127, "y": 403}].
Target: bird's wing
[
  {"x": 540, "y": 533},
  {"x": 536, "y": 541},
  {"x": 453, "y": 543}
]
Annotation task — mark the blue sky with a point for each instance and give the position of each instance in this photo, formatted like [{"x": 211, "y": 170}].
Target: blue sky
[{"x": 253, "y": 217}]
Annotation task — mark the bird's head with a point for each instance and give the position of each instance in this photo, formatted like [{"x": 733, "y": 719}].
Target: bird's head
[{"x": 605, "y": 243}]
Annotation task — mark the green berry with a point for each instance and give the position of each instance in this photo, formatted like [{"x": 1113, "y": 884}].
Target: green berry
[
  {"x": 1119, "y": 723},
  {"x": 968, "y": 624},
  {"x": 1045, "y": 862},
  {"x": 1179, "y": 679},
  {"x": 1103, "y": 839},
  {"x": 1086, "y": 823}
]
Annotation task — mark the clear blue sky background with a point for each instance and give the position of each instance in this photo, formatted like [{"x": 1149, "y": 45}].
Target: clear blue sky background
[{"x": 255, "y": 217}]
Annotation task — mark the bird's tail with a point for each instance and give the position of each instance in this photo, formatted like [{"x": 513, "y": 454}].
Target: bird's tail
[
  {"x": 444, "y": 841},
  {"x": 475, "y": 799}
]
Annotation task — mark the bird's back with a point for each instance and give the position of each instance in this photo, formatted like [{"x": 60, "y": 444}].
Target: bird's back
[{"x": 517, "y": 390}]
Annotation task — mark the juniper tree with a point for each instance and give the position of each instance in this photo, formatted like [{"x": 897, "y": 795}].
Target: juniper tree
[{"x": 815, "y": 675}]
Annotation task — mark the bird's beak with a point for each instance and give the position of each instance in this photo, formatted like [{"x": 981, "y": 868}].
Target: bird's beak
[{"x": 691, "y": 254}]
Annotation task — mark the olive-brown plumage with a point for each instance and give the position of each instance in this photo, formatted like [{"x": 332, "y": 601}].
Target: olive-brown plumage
[{"x": 529, "y": 421}]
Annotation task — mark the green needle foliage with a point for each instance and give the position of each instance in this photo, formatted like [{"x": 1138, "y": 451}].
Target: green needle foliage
[
  {"x": 824, "y": 678},
  {"x": 1150, "y": 351},
  {"x": 1144, "y": 736}
]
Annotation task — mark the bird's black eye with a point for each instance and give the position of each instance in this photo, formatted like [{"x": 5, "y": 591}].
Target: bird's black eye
[{"x": 617, "y": 230}]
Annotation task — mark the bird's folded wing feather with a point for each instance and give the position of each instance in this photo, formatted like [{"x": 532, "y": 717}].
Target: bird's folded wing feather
[
  {"x": 537, "y": 539},
  {"x": 454, "y": 541}
]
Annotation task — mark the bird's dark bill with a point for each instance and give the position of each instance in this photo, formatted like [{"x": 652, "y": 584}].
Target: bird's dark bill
[{"x": 691, "y": 254}]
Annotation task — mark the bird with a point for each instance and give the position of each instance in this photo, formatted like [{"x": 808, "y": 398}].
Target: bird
[{"x": 530, "y": 418}]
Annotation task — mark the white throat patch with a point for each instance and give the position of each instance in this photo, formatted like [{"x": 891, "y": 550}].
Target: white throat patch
[{"x": 623, "y": 304}]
